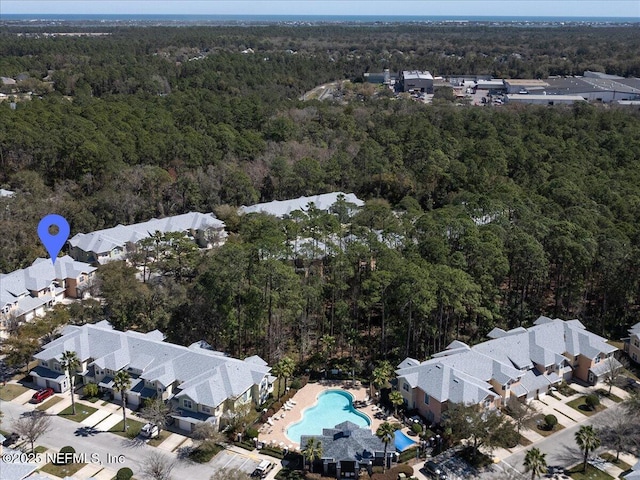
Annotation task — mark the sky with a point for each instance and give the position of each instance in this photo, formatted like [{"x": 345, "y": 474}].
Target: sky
[{"x": 550, "y": 8}]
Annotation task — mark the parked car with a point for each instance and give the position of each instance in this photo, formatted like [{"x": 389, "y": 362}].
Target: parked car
[
  {"x": 263, "y": 469},
  {"x": 11, "y": 439},
  {"x": 150, "y": 430},
  {"x": 42, "y": 394},
  {"x": 434, "y": 470}
]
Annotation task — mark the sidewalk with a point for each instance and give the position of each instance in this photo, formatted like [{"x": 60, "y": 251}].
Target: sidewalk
[{"x": 172, "y": 442}]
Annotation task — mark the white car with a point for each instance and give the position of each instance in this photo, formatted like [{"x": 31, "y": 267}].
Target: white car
[{"x": 150, "y": 430}]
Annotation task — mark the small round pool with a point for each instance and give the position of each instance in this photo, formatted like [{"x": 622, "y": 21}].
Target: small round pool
[
  {"x": 333, "y": 407},
  {"x": 402, "y": 442}
]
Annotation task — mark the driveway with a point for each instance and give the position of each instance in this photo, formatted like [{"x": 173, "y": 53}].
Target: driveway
[{"x": 112, "y": 451}]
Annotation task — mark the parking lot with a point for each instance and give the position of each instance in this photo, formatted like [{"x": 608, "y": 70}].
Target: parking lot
[{"x": 231, "y": 460}]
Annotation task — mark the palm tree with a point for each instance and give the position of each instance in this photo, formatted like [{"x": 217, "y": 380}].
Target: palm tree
[
  {"x": 312, "y": 451},
  {"x": 278, "y": 371},
  {"x": 122, "y": 383},
  {"x": 535, "y": 462},
  {"x": 387, "y": 433},
  {"x": 396, "y": 400},
  {"x": 284, "y": 369},
  {"x": 381, "y": 375},
  {"x": 588, "y": 440},
  {"x": 70, "y": 364}
]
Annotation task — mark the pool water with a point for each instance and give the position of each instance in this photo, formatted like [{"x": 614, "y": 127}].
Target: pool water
[
  {"x": 333, "y": 407},
  {"x": 402, "y": 442}
]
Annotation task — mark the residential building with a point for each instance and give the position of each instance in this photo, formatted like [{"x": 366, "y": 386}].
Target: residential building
[
  {"x": 632, "y": 343},
  {"x": 16, "y": 469},
  {"x": 347, "y": 448},
  {"x": 113, "y": 243},
  {"x": 416, "y": 81},
  {"x": 27, "y": 293},
  {"x": 524, "y": 363},
  {"x": 201, "y": 383},
  {"x": 281, "y": 208}
]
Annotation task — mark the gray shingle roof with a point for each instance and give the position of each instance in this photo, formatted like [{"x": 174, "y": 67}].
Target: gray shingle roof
[
  {"x": 635, "y": 329},
  {"x": 15, "y": 470},
  {"x": 15, "y": 286},
  {"x": 461, "y": 374},
  {"x": 280, "y": 208},
  {"x": 205, "y": 376},
  {"x": 347, "y": 441},
  {"x": 103, "y": 241}
]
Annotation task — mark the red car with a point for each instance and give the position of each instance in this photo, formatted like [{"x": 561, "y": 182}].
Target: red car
[{"x": 42, "y": 394}]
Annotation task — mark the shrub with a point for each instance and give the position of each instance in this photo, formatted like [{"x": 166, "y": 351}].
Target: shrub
[
  {"x": 251, "y": 432},
  {"x": 277, "y": 406},
  {"x": 295, "y": 384},
  {"x": 63, "y": 450},
  {"x": 550, "y": 421},
  {"x": 592, "y": 401},
  {"x": 392, "y": 473},
  {"x": 416, "y": 428},
  {"x": 91, "y": 390},
  {"x": 124, "y": 473}
]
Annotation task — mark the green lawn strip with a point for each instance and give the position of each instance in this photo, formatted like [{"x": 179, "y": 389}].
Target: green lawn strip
[
  {"x": 205, "y": 452},
  {"x": 91, "y": 399},
  {"x": 154, "y": 442},
  {"x": 40, "y": 449},
  {"x": 592, "y": 473},
  {"x": 133, "y": 428},
  {"x": 49, "y": 403},
  {"x": 612, "y": 459},
  {"x": 62, "y": 470},
  {"x": 580, "y": 405},
  {"x": 82, "y": 412},
  {"x": 10, "y": 391},
  {"x": 537, "y": 425},
  {"x": 610, "y": 396}
]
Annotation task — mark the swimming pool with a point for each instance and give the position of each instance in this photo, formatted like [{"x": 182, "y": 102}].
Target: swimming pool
[
  {"x": 403, "y": 442},
  {"x": 333, "y": 407}
]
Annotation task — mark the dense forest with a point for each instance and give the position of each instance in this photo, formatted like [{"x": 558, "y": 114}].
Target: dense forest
[{"x": 476, "y": 216}]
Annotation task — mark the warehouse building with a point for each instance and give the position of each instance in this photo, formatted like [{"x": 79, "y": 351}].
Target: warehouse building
[
  {"x": 534, "y": 99},
  {"x": 524, "y": 85},
  {"x": 594, "y": 89},
  {"x": 416, "y": 81}
]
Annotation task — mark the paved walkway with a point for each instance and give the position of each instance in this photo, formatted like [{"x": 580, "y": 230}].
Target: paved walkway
[
  {"x": 95, "y": 418},
  {"x": 109, "y": 422},
  {"x": 24, "y": 398},
  {"x": 60, "y": 406},
  {"x": 172, "y": 442},
  {"x": 87, "y": 471}
]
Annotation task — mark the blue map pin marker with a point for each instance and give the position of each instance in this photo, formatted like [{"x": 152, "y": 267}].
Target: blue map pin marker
[{"x": 53, "y": 243}]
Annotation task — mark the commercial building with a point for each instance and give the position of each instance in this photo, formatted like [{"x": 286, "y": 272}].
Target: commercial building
[
  {"x": 595, "y": 89},
  {"x": 524, "y": 85},
  {"x": 201, "y": 383},
  {"x": 416, "y": 81},
  {"x": 523, "y": 363},
  {"x": 544, "y": 99},
  {"x": 113, "y": 243}
]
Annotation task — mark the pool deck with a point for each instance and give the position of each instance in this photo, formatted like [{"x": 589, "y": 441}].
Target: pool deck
[{"x": 306, "y": 397}]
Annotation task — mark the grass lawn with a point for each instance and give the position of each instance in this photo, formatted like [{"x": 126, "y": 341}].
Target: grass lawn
[
  {"x": 62, "y": 470},
  {"x": 154, "y": 442},
  {"x": 537, "y": 425},
  {"x": 40, "y": 449},
  {"x": 612, "y": 459},
  {"x": 524, "y": 441},
  {"x": 49, "y": 403},
  {"x": 133, "y": 428},
  {"x": 82, "y": 412},
  {"x": 592, "y": 473},
  {"x": 580, "y": 405},
  {"x": 605, "y": 393},
  {"x": 565, "y": 390},
  {"x": 11, "y": 391},
  {"x": 205, "y": 452},
  {"x": 91, "y": 399}
]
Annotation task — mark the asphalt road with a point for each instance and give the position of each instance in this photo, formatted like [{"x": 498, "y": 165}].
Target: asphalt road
[
  {"x": 561, "y": 450},
  {"x": 112, "y": 450}
]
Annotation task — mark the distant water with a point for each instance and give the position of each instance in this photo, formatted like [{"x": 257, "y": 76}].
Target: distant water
[{"x": 367, "y": 19}]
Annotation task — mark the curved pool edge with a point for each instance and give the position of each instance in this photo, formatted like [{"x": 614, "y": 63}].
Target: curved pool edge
[{"x": 318, "y": 395}]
